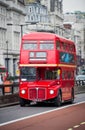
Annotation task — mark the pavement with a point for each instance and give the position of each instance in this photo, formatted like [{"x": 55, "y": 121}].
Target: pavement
[{"x": 9, "y": 104}]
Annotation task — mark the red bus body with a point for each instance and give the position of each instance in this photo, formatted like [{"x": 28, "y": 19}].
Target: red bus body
[{"x": 47, "y": 66}]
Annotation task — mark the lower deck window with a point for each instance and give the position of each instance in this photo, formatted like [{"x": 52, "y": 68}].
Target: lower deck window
[{"x": 28, "y": 73}]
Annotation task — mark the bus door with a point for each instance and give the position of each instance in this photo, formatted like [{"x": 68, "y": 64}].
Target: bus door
[{"x": 66, "y": 85}]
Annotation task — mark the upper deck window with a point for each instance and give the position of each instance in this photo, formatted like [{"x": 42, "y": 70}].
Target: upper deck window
[
  {"x": 72, "y": 48},
  {"x": 46, "y": 45},
  {"x": 64, "y": 46},
  {"x": 58, "y": 45},
  {"x": 30, "y": 45}
]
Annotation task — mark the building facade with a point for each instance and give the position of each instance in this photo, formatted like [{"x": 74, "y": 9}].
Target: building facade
[
  {"x": 55, "y": 11},
  {"x": 46, "y": 14},
  {"x": 37, "y": 17},
  {"x": 12, "y": 14}
]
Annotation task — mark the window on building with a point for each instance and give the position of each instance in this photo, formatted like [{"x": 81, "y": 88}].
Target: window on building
[
  {"x": 16, "y": 40},
  {"x": 30, "y": 9},
  {"x": 52, "y": 5},
  {"x": 32, "y": 18}
]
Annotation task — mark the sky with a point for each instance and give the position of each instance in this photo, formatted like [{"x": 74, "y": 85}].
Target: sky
[{"x": 73, "y": 5}]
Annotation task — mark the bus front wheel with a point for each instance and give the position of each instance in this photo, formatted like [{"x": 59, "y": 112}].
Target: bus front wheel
[
  {"x": 72, "y": 96},
  {"x": 58, "y": 100},
  {"x": 22, "y": 102}
]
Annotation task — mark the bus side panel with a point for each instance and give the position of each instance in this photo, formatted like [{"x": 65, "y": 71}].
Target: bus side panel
[{"x": 67, "y": 83}]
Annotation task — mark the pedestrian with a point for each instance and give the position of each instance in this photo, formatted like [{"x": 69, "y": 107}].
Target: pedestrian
[{"x": 1, "y": 79}]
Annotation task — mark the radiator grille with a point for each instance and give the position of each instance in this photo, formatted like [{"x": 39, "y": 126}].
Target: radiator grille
[
  {"x": 32, "y": 94},
  {"x": 37, "y": 94}
]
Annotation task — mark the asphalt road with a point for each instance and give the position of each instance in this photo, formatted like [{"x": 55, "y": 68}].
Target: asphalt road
[{"x": 67, "y": 117}]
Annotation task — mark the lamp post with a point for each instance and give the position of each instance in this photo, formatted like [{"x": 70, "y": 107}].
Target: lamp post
[
  {"x": 7, "y": 54},
  {"x": 21, "y": 30}
]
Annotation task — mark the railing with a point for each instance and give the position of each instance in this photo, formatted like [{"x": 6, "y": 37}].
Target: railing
[
  {"x": 80, "y": 83},
  {"x": 14, "y": 88},
  {"x": 9, "y": 89},
  {"x": 9, "y": 94}
]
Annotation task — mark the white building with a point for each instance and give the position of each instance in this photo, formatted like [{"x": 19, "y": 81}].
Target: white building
[
  {"x": 47, "y": 14},
  {"x": 37, "y": 17},
  {"x": 55, "y": 11},
  {"x": 11, "y": 16}
]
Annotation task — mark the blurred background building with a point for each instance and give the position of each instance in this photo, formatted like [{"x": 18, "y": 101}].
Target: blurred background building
[
  {"x": 12, "y": 13},
  {"x": 74, "y": 24}
]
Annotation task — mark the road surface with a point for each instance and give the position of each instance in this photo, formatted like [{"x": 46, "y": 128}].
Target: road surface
[{"x": 67, "y": 117}]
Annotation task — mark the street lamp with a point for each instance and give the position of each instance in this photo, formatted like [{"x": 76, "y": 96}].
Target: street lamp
[{"x": 7, "y": 55}]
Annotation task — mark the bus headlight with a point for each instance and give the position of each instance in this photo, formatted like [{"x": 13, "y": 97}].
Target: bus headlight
[
  {"x": 23, "y": 91},
  {"x": 51, "y": 91}
]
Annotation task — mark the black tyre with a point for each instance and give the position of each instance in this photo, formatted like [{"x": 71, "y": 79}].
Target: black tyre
[
  {"x": 72, "y": 96},
  {"x": 22, "y": 102},
  {"x": 58, "y": 100}
]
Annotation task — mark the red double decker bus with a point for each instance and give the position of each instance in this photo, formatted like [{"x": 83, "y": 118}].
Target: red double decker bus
[{"x": 47, "y": 66}]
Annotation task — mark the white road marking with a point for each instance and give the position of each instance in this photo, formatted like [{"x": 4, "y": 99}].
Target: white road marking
[
  {"x": 27, "y": 117},
  {"x": 82, "y": 123},
  {"x": 76, "y": 126},
  {"x": 70, "y": 129}
]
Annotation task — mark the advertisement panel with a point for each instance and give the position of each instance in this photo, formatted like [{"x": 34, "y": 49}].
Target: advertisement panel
[{"x": 29, "y": 1}]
